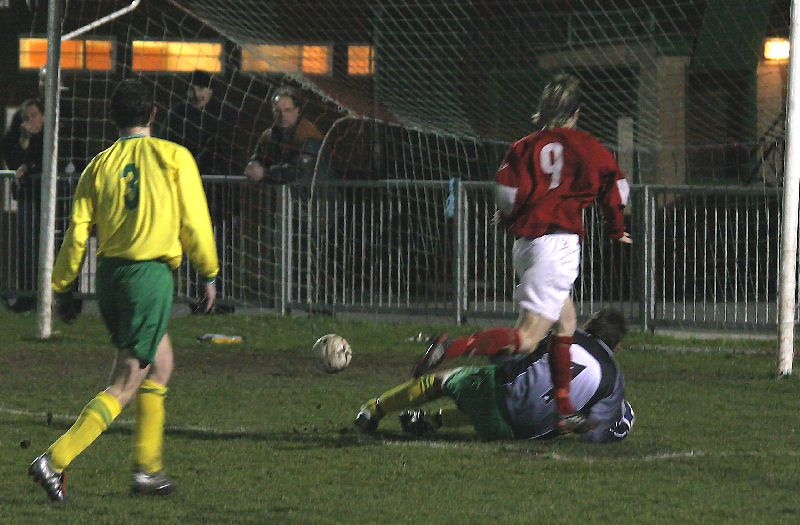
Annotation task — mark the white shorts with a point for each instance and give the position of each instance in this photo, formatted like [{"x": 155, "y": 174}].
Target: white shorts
[{"x": 547, "y": 268}]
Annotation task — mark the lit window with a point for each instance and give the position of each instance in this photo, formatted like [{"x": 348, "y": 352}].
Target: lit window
[
  {"x": 316, "y": 60},
  {"x": 776, "y": 49},
  {"x": 156, "y": 55},
  {"x": 359, "y": 60},
  {"x": 271, "y": 59},
  {"x": 276, "y": 58},
  {"x": 71, "y": 54},
  {"x": 98, "y": 54},
  {"x": 75, "y": 54}
]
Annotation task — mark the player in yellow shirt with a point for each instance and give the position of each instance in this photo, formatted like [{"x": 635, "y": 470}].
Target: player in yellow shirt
[{"x": 145, "y": 197}]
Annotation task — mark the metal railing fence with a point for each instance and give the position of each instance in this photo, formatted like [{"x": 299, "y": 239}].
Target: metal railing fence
[{"x": 702, "y": 256}]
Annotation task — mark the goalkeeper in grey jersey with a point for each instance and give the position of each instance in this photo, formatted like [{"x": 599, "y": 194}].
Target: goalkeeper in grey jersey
[{"x": 513, "y": 397}]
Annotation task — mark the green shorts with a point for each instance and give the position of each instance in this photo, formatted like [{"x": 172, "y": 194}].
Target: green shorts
[
  {"x": 135, "y": 300},
  {"x": 477, "y": 393}
]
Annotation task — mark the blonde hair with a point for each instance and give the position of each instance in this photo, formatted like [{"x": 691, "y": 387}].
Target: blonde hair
[{"x": 561, "y": 98}]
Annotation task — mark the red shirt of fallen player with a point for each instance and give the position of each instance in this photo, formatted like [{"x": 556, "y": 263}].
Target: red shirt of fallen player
[{"x": 550, "y": 176}]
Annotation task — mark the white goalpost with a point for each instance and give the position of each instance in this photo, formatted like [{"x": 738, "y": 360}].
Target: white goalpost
[
  {"x": 44, "y": 320},
  {"x": 791, "y": 194}
]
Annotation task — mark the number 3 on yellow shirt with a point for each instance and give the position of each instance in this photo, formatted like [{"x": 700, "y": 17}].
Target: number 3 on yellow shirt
[{"x": 132, "y": 191}]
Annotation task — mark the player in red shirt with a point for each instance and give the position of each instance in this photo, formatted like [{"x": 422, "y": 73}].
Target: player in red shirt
[{"x": 542, "y": 186}]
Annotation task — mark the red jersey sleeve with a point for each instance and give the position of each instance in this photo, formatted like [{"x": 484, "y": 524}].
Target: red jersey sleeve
[{"x": 513, "y": 185}]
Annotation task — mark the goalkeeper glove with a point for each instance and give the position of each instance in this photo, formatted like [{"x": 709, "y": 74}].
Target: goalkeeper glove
[{"x": 68, "y": 306}]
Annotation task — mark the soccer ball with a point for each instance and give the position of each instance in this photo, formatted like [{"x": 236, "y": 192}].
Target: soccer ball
[{"x": 331, "y": 353}]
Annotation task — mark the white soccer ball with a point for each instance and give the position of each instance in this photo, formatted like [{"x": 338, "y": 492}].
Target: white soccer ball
[{"x": 331, "y": 353}]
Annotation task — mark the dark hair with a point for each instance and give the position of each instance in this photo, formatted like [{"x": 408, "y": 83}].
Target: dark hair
[
  {"x": 131, "y": 104},
  {"x": 34, "y": 102},
  {"x": 608, "y": 325},
  {"x": 200, "y": 78},
  {"x": 285, "y": 91},
  {"x": 561, "y": 98}
]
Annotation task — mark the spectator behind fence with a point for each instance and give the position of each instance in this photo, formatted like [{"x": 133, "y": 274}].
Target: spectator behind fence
[
  {"x": 71, "y": 137},
  {"x": 23, "y": 141},
  {"x": 22, "y": 151},
  {"x": 204, "y": 126},
  {"x": 287, "y": 151}
]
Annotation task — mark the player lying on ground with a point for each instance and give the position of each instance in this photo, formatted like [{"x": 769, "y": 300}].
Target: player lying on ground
[
  {"x": 513, "y": 399},
  {"x": 146, "y": 199},
  {"x": 542, "y": 187}
]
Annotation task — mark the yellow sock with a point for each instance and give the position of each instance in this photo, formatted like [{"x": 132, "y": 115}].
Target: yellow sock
[
  {"x": 93, "y": 421},
  {"x": 453, "y": 417},
  {"x": 149, "y": 428},
  {"x": 410, "y": 394}
]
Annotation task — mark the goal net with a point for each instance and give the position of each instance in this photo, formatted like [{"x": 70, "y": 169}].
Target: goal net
[{"x": 416, "y": 102}]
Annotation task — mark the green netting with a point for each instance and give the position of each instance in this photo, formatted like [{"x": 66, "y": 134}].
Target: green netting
[
  {"x": 678, "y": 89},
  {"x": 472, "y": 69}
]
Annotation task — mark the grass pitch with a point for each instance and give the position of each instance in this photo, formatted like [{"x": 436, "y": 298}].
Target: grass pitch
[{"x": 257, "y": 435}]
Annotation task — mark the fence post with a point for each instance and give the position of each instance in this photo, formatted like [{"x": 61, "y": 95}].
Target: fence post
[
  {"x": 459, "y": 219},
  {"x": 286, "y": 248},
  {"x": 647, "y": 271}
]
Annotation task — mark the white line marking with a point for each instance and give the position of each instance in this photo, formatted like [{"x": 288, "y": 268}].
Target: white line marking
[
  {"x": 663, "y": 456},
  {"x": 117, "y": 422},
  {"x": 702, "y": 350},
  {"x": 584, "y": 459}
]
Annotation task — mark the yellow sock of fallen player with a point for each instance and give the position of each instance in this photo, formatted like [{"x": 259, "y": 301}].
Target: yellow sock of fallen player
[
  {"x": 149, "y": 428},
  {"x": 93, "y": 421},
  {"x": 410, "y": 394}
]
